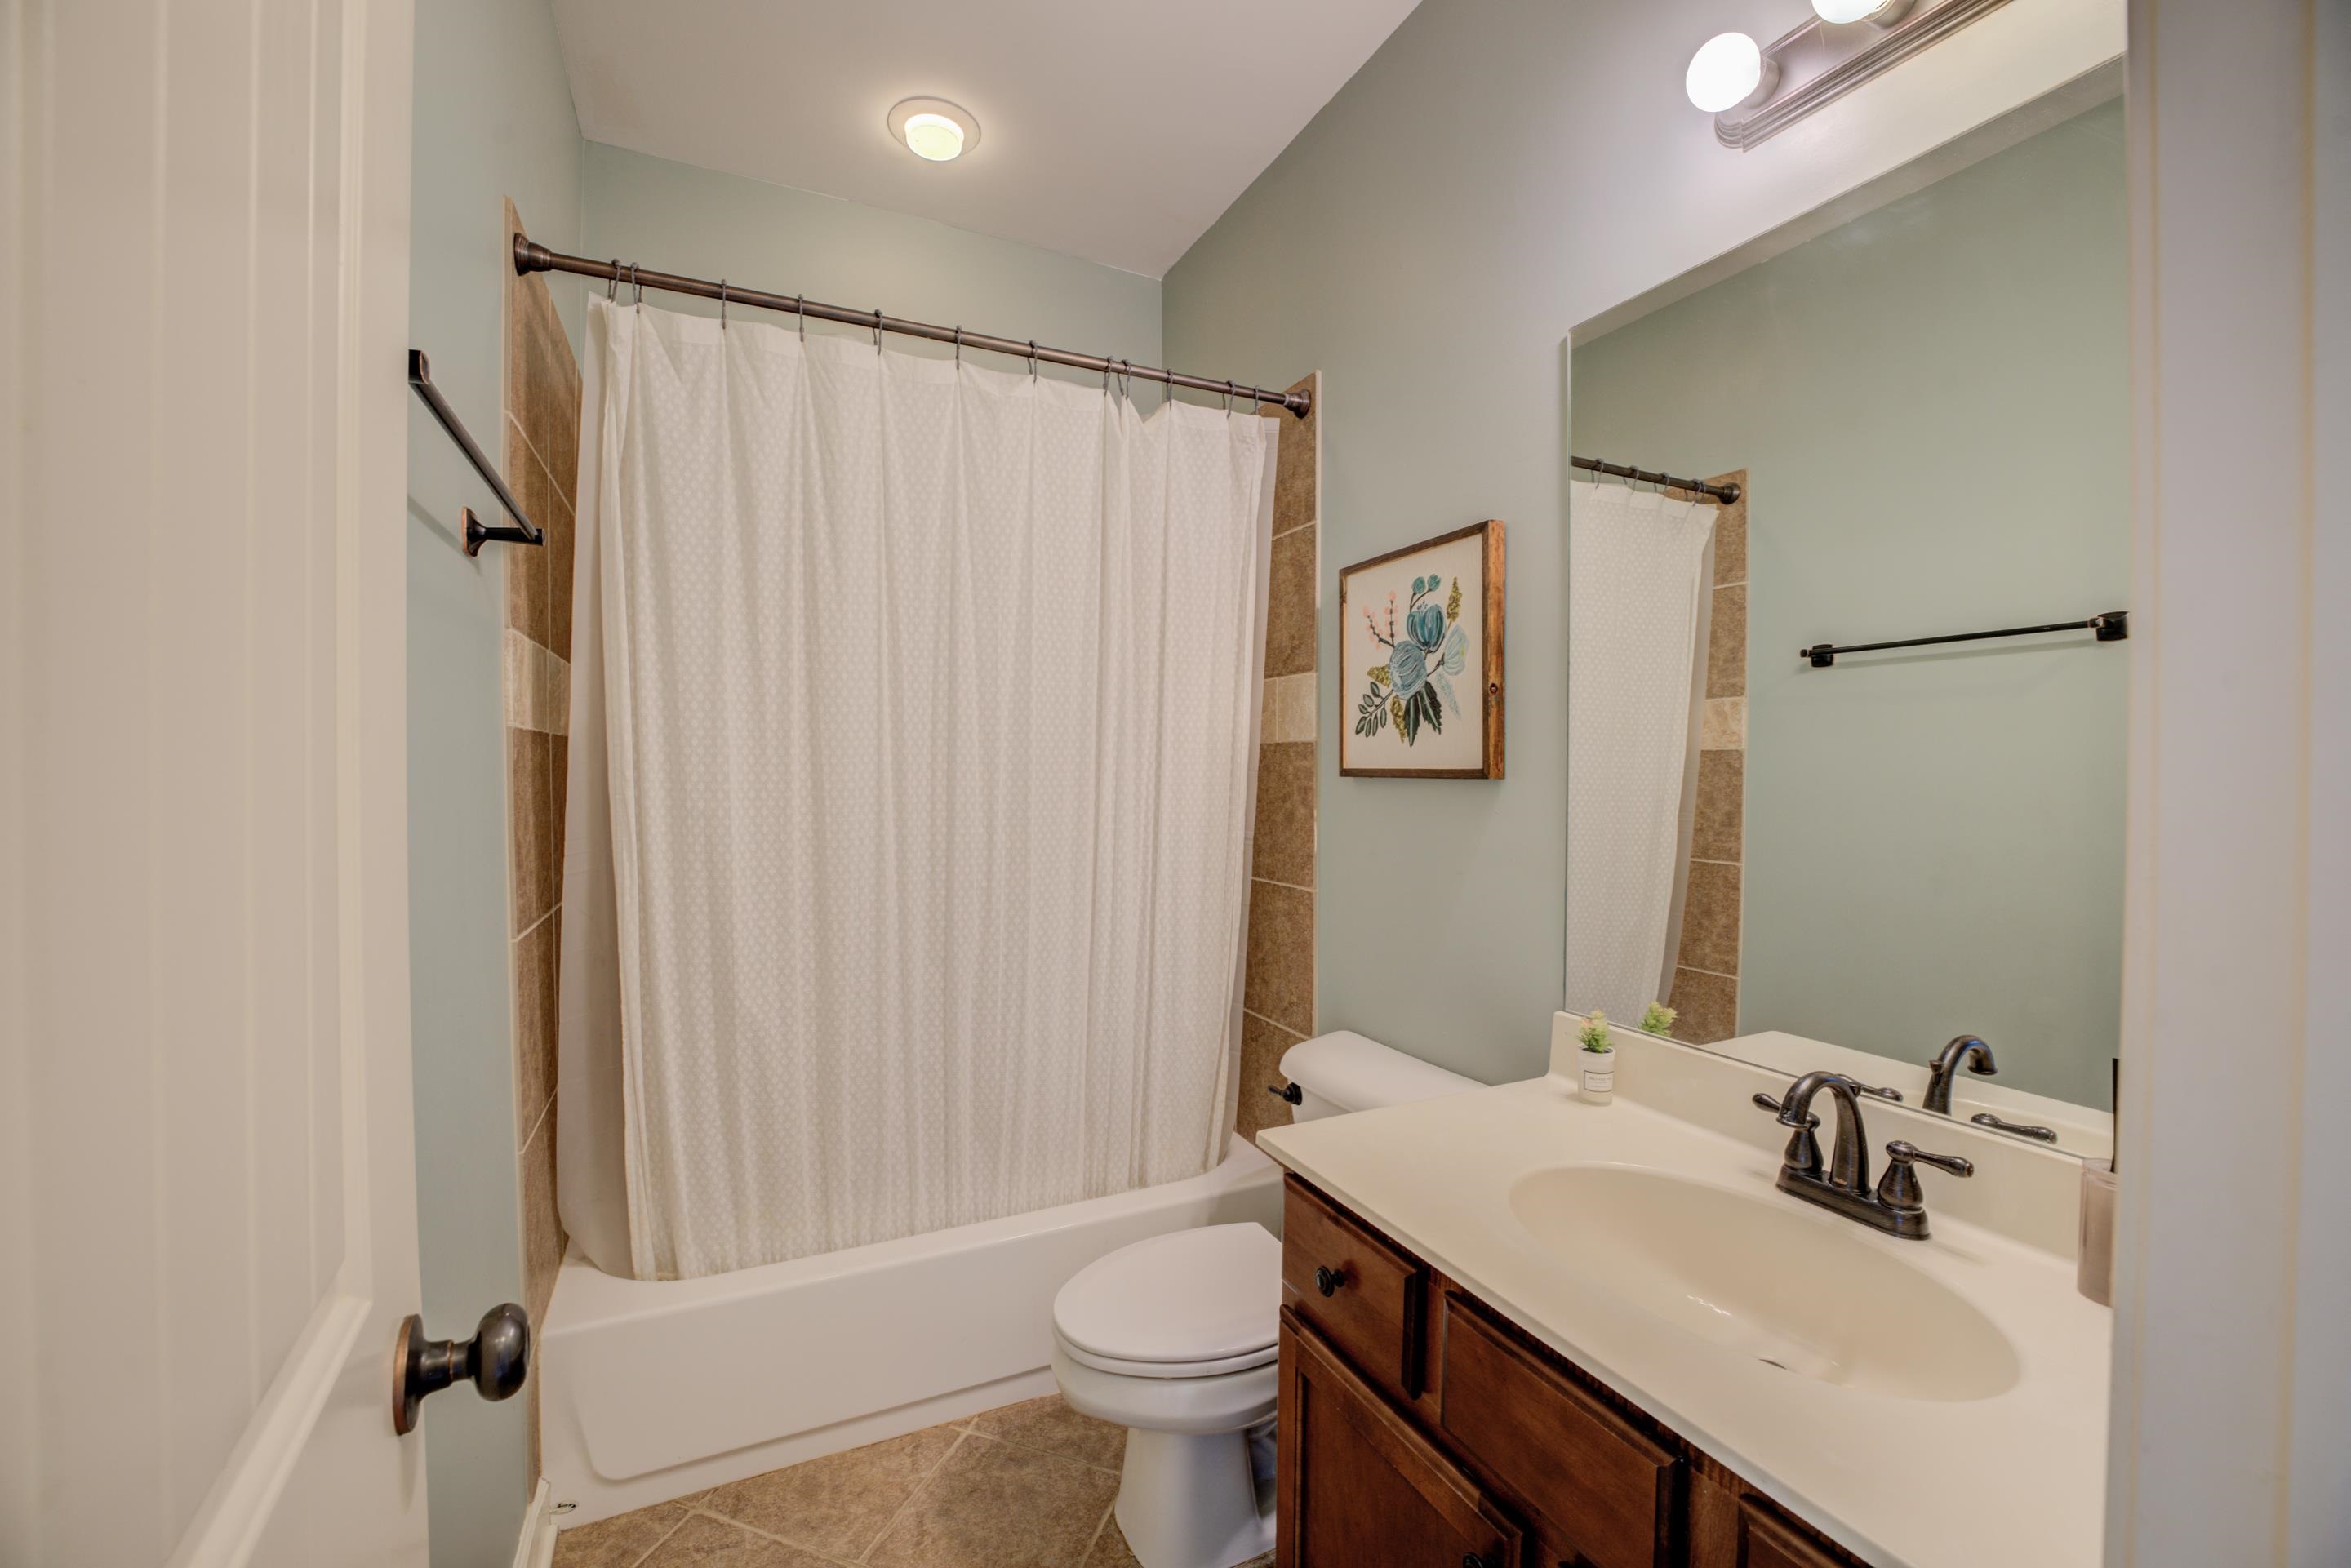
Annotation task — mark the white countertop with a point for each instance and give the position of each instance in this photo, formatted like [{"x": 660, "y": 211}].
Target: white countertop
[{"x": 2017, "y": 1479}]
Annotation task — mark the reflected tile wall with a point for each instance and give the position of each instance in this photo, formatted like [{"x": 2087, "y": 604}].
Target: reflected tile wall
[{"x": 1705, "y": 968}]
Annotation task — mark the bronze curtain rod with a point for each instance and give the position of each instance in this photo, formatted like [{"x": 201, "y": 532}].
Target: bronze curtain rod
[
  {"x": 530, "y": 258},
  {"x": 1726, "y": 493}
]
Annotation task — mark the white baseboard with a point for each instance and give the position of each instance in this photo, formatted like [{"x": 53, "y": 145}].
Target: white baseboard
[{"x": 537, "y": 1547}]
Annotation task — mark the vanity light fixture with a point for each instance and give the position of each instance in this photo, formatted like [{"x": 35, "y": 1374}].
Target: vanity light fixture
[
  {"x": 933, "y": 130},
  {"x": 1844, "y": 44},
  {"x": 1729, "y": 70}
]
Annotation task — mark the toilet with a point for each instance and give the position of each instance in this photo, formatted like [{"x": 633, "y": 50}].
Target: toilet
[{"x": 1173, "y": 1338}]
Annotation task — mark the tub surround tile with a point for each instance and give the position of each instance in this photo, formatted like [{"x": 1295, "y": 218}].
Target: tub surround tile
[
  {"x": 1284, "y": 849},
  {"x": 1710, "y": 918},
  {"x": 542, "y": 1228},
  {"x": 998, "y": 1505},
  {"x": 531, "y": 762},
  {"x": 706, "y": 1541},
  {"x": 1298, "y": 461},
  {"x": 840, "y": 1504},
  {"x": 1290, "y": 605},
  {"x": 524, "y": 565},
  {"x": 1707, "y": 1006},
  {"x": 1263, "y": 1041},
  {"x": 1280, "y": 984},
  {"x": 1722, "y": 725},
  {"x": 534, "y": 1026},
  {"x": 1719, "y": 833},
  {"x": 1051, "y": 1427},
  {"x": 559, "y": 547},
  {"x": 1731, "y": 533},
  {"x": 1289, "y": 711},
  {"x": 1726, "y": 649}
]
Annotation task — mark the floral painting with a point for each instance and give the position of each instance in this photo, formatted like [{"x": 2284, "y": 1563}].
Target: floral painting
[
  {"x": 1421, "y": 644},
  {"x": 1415, "y": 688}
]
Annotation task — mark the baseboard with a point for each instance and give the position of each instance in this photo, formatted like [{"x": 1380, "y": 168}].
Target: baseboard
[{"x": 537, "y": 1547}]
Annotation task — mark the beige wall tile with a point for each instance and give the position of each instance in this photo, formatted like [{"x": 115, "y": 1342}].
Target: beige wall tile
[
  {"x": 558, "y": 791},
  {"x": 1707, "y": 1006},
  {"x": 525, "y": 566},
  {"x": 542, "y": 1228},
  {"x": 1280, "y": 983},
  {"x": 1289, "y": 709},
  {"x": 1296, "y": 487},
  {"x": 560, "y": 550},
  {"x": 1726, "y": 649},
  {"x": 1718, "y": 832},
  {"x": 1731, "y": 533},
  {"x": 531, "y": 759},
  {"x": 1289, "y": 606},
  {"x": 1723, "y": 727},
  {"x": 1262, "y": 1045},
  {"x": 534, "y": 1025},
  {"x": 1710, "y": 918},
  {"x": 1285, "y": 813}
]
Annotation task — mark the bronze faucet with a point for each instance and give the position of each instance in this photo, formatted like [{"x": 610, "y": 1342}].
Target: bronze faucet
[
  {"x": 1897, "y": 1205},
  {"x": 1964, "y": 1050}
]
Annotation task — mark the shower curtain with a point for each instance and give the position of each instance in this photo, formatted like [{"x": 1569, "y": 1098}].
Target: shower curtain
[
  {"x": 912, "y": 770},
  {"x": 1638, "y": 572}
]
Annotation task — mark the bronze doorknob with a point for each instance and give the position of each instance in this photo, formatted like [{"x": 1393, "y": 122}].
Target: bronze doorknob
[{"x": 497, "y": 1360}]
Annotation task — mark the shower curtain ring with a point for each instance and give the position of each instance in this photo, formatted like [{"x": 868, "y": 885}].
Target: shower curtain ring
[
  {"x": 877, "y": 329},
  {"x": 633, "y": 270},
  {"x": 800, "y": 309},
  {"x": 1032, "y": 358},
  {"x": 612, "y": 284},
  {"x": 722, "y": 305},
  {"x": 958, "y": 341},
  {"x": 1228, "y": 399}
]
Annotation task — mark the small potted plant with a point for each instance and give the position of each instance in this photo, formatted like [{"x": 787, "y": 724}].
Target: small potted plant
[
  {"x": 1597, "y": 1060},
  {"x": 1658, "y": 1020}
]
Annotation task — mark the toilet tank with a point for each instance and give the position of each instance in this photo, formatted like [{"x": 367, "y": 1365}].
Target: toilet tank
[{"x": 1343, "y": 1071}]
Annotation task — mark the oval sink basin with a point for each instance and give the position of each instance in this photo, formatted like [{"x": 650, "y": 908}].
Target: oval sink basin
[{"x": 1775, "y": 1281}]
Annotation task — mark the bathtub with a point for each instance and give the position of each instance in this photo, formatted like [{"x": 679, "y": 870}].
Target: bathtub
[{"x": 654, "y": 1389}]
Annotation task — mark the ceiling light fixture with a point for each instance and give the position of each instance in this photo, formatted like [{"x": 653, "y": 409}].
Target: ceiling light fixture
[
  {"x": 1882, "y": 13},
  {"x": 1727, "y": 71},
  {"x": 933, "y": 130}
]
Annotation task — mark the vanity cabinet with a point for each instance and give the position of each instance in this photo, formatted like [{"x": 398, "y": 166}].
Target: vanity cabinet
[{"x": 1422, "y": 1430}]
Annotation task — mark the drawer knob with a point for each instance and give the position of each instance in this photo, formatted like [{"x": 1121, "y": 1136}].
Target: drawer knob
[
  {"x": 1473, "y": 1561},
  {"x": 1328, "y": 1281}
]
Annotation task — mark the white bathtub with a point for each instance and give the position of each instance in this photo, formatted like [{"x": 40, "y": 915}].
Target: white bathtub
[{"x": 654, "y": 1389}]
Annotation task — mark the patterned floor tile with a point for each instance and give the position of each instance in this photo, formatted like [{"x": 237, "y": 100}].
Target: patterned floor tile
[
  {"x": 1052, "y": 1426},
  {"x": 704, "y": 1542},
  {"x": 620, "y": 1541},
  {"x": 999, "y": 1505},
  {"x": 839, "y": 1504}
]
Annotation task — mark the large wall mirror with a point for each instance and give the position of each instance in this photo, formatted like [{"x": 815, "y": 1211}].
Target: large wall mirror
[{"x": 1862, "y": 862}]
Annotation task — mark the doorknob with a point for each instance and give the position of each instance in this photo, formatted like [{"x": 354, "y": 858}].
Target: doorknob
[{"x": 496, "y": 1360}]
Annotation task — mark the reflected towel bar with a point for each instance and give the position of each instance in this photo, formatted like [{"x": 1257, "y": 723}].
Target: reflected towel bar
[
  {"x": 2112, "y": 626},
  {"x": 420, "y": 376}
]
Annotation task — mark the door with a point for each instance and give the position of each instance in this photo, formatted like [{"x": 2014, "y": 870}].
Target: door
[
  {"x": 206, "y": 1158},
  {"x": 1359, "y": 1488}
]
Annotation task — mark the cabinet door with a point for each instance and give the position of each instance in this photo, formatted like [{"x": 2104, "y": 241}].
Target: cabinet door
[
  {"x": 1732, "y": 1529},
  {"x": 1360, "y": 1489},
  {"x": 1355, "y": 1289}
]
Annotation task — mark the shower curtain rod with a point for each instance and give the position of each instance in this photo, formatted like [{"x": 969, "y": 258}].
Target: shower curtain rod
[
  {"x": 530, "y": 256},
  {"x": 1726, "y": 493}
]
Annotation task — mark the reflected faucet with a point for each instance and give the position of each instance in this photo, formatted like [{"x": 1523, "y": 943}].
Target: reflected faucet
[
  {"x": 1897, "y": 1205},
  {"x": 1964, "y": 1051}
]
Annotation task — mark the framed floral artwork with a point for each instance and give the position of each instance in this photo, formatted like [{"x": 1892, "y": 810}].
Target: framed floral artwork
[{"x": 1420, "y": 660}]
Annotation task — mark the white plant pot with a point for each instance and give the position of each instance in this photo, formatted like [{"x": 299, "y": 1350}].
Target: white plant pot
[{"x": 1596, "y": 1075}]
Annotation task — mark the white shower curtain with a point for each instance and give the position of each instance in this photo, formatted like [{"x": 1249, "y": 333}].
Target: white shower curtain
[
  {"x": 922, "y": 699},
  {"x": 1637, "y": 580}
]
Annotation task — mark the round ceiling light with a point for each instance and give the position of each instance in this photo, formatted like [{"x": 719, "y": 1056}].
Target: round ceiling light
[
  {"x": 1727, "y": 70},
  {"x": 933, "y": 129}
]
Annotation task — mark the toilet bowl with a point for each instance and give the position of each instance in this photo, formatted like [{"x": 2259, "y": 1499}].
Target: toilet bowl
[{"x": 1174, "y": 1338}]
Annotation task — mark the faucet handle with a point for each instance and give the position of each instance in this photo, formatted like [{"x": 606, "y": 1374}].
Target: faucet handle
[
  {"x": 1804, "y": 1151},
  {"x": 1777, "y": 1109},
  {"x": 1899, "y": 1189}
]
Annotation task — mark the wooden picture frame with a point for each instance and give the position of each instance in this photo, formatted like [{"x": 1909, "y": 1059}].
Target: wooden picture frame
[{"x": 1436, "y": 608}]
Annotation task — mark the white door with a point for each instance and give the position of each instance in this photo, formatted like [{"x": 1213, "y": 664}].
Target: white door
[{"x": 207, "y": 1209}]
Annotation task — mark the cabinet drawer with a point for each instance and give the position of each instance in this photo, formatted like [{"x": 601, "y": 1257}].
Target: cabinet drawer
[
  {"x": 1733, "y": 1528},
  {"x": 1359, "y": 1292},
  {"x": 1360, "y": 1488},
  {"x": 1603, "y": 1488}
]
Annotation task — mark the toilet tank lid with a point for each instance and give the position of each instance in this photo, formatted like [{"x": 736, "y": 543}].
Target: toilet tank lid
[{"x": 1356, "y": 1073}]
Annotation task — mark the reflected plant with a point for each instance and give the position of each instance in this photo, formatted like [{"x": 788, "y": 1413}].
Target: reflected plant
[
  {"x": 1658, "y": 1020},
  {"x": 1415, "y": 688}
]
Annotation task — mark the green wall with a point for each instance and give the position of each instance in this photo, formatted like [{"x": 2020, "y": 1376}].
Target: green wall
[
  {"x": 1933, "y": 405},
  {"x": 693, "y": 220},
  {"x": 493, "y": 120}
]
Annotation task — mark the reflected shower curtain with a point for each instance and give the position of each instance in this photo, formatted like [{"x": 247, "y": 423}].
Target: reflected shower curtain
[
  {"x": 1637, "y": 578},
  {"x": 925, "y": 697}
]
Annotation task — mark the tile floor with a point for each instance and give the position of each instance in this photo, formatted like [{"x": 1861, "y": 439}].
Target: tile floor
[{"x": 1027, "y": 1486}]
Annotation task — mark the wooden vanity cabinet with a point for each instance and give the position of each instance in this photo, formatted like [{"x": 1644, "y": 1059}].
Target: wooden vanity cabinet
[{"x": 1420, "y": 1429}]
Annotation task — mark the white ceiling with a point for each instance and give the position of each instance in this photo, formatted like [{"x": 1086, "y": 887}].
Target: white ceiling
[{"x": 1110, "y": 130}]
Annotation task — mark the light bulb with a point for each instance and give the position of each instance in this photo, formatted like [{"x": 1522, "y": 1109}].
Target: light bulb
[
  {"x": 1725, "y": 72},
  {"x": 1846, "y": 10},
  {"x": 935, "y": 137}
]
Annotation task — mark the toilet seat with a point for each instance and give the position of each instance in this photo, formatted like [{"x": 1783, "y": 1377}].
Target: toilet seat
[{"x": 1189, "y": 1303}]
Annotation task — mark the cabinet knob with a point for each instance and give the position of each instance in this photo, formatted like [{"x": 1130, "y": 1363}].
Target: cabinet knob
[
  {"x": 1473, "y": 1561},
  {"x": 1328, "y": 1281}
]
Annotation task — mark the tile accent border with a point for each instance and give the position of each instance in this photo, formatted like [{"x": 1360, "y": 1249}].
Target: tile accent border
[
  {"x": 1705, "y": 968},
  {"x": 1278, "y": 977},
  {"x": 540, "y": 451}
]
